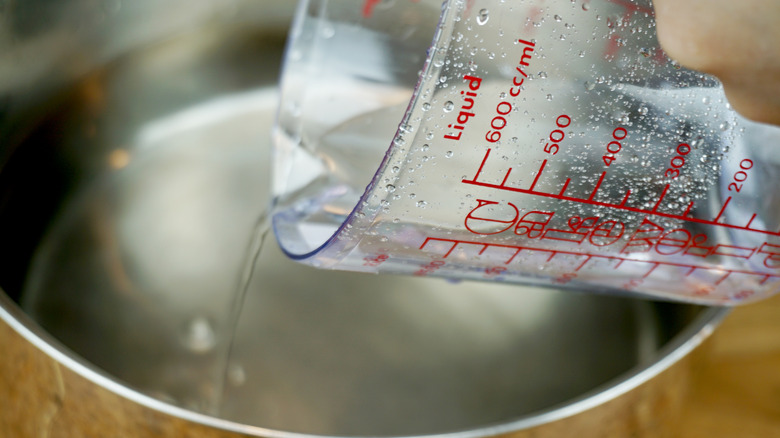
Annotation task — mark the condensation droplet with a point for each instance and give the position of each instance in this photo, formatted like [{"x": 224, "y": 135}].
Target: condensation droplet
[
  {"x": 585, "y": 5},
  {"x": 589, "y": 85},
  {"x": 449, "y": 154},
  {"x": 705, "y": 100},
  {"x": 449, "y": 106},
  {"x": 390, "y": 188},
  {"x": 549, "y": 97},
  {"x": 422, "y": 204},
  {"x": 643, "y": 110},
  {"x": 724, "y": 126},
  {"x": 557, "y": 17},
  {"x": 483, "y": 17},
  {"x": 426, "y": 106}
]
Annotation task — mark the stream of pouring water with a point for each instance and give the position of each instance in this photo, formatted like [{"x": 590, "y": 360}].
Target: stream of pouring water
[{"x": 247, "y": 271}]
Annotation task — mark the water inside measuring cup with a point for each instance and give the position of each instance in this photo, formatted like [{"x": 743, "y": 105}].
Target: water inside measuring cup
[{"x": 553, "y": 150}]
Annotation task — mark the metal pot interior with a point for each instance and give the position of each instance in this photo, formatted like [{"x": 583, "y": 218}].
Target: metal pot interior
[{"x": 135, "y": 148}]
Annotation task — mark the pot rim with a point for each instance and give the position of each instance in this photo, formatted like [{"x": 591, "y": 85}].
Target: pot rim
[{"x": 673, "y": 351}]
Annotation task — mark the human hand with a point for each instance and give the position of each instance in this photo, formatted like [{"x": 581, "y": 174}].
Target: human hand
[{"x": 736, "y": 41}]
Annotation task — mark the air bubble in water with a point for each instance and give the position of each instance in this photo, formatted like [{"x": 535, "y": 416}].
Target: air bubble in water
[
  {"x": 483, "y": 17},
  {"x": 236, "y": 375},
  {"x": 199, "y": 335},
  {"x": 449, "y": 106},
  {"x": 328, "y": 31}
]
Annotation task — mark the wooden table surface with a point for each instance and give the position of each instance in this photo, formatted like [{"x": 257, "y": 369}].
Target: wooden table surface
[{"x": 736, "y": 388}]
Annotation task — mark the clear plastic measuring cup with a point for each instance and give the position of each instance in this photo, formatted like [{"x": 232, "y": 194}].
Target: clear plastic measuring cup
[{"x": 519, "y": 141}]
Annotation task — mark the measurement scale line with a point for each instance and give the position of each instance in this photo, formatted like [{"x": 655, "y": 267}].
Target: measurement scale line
[
  {"x": 582, "y": 265},
  {"x": 622, "y": 207},
  {"x": 484, "y": 160},
  {"x": 751, "y": 220},
  {"x": 722, "y": 279},
  {"x": 655, "y": 266},
  {"x": 513, "y": 256},
  {"x": 565, "y": 185},
  {"x": 589, "y": 256},
  {"x": 538, "y": 175},
  {"x": 506, "y": 177},
  {"x": 660, "y": 198},
  {"x": 625, "y": 198},
  {"x": 688, "y": 210},
  {"x": 598, "y": 186},
  {"x": 723, "y": 209}
]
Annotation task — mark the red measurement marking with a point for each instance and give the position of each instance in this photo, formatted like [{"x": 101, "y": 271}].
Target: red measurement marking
[
  {"x": 653, "y": 268},
  {"x": 722, "y": 209},
  {"x": 584, "y": 262},
  {"x": 690, "y": 206},
  {"x": 589, "y": 256},
  {"x": 625, "y": 198},
  {"x": 538, "y": 174},
  {"x": 722, "y": 279},
  {"x": 750, "y": 221},
  {"x": 369, "y": 5},
  {"x": 621, "y": 206},
  {"x": 598, "y": 186},
  {"x": 661, "y": 198},
  {"x": 565, "y": 185}
]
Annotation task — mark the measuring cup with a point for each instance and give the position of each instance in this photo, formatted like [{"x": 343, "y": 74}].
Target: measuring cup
[{"x": 535, "y": 142}]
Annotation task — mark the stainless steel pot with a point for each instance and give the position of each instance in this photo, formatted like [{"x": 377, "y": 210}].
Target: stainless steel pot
[{"x": 134, "y": 166}]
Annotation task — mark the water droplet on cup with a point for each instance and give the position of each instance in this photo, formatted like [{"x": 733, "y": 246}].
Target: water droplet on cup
[
  {"x": 483, "y": 17},
  {"x": 421, "y": 204},
  {"x": 449, "y": 106}
]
